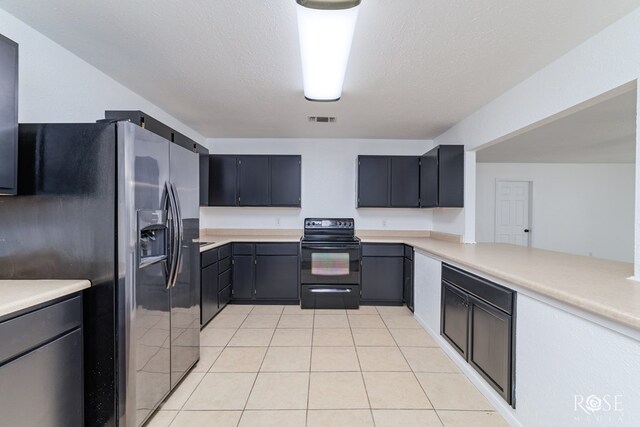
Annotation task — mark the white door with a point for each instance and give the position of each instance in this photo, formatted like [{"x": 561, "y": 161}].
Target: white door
[{"x": 512, "y": 212}]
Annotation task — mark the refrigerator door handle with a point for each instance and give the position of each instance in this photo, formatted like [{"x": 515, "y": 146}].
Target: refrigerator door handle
[
  {"x": 180, "y": 230},
  {"x": 175, "y": 244}
]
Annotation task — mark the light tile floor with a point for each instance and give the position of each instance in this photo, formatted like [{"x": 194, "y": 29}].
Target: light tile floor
[{"x": 282, "y": 366}]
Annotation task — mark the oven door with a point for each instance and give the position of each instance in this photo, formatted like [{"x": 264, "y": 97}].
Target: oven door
[{"x": 325, "y": 263}]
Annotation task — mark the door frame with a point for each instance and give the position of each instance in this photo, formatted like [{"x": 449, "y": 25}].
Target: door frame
[{"x": 530, "y": 206}]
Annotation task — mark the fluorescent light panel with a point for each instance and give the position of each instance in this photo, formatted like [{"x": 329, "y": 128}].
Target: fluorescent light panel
[{"x": 325, "y": 43}]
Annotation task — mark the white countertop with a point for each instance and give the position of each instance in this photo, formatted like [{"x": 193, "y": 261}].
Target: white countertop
[
  {"x": 595, "y": 285},
  {"x": 16, "y": 295}
]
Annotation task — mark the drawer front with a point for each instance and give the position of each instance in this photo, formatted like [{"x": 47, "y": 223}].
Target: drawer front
[
  {"x": 224, "y": 264},
  {"x": 209, "y": 257},
  {"x": 483, "y": 289},
  {"x": 224, "y": 296},
  {"x": 30, "y": 330},
  {"x": 224, "y": 251},
  {"x": 44, "y": 387},
  {"x": 277, "y": 248},
  {"x": 224, "y": 280},
  {"x": 408, "y": 252},
  {"x": 382, "y": 249},
  {"x": 243, "y": 248}
]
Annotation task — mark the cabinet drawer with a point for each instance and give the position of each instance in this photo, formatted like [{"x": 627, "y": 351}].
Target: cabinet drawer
[
  {"x": 28, "y": 331},
  {"x": 382, "y": 249},
  {"x": 224, "y": 296},
  {"x": 224, "y": 280},
  {"x": 243, "y": 248},
  {"x": 408, "y": 252},
  {"x": 224, "y": 251},
  {"x": 483, "y": 289},
  {"x": 277, "y": 248},
  {"x": 224, "y": 264},
  {"x": 209, "y": 257},
  {"x": 44, "y": 387}
]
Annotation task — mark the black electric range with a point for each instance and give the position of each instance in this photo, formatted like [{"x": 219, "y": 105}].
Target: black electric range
[{"x": 330, "y": 264}]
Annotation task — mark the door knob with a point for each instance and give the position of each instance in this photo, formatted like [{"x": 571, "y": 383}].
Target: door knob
[{"x": 526, "y": 230}]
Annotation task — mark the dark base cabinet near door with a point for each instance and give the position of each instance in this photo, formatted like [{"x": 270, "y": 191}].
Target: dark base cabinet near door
[
  {"x": 407, "y": 291},
  {"x": 41, "y": 366},
  {"x": 477, "y": 319},
  {"x": 266, "y": 272},
  {"x": 382, "y": 274}
]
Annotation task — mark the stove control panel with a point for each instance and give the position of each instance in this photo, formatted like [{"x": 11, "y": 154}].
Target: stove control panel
[{"x": 328, "y": 223}]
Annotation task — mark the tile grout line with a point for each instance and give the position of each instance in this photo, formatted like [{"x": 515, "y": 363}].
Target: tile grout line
[
  {"x": 259, "y": 368},
  {"x": 413, "y": 372},
  {"x": 364, "y": 384},
  {"x": 313, "y": 323}
]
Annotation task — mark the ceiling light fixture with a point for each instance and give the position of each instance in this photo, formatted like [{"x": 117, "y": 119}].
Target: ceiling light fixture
[{"x": 326, "y": 31}]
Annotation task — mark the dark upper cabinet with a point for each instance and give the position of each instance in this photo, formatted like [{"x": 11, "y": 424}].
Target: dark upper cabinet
[
  {"x": 429, "y": 179},
  {"x": 285, "y": 180},
  {"x": 373, "y": 181},
  {"x": 223, "y": 180},
  {"x": 442, "y": 177},
  {"x": 253, "y": 180},
  {"x": 8, "y": 116},
  {"x": 388, "y": 181},
  {"x": 204, "y": 179},
  {"x": 405, "y": 181}
]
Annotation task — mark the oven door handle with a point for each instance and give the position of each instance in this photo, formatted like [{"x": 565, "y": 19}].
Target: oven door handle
[
  {"x": 329, "y": 291},
  {"x": 331, "y": 248}
]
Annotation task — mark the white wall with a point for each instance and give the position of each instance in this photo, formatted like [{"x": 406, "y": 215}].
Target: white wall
[
  {"x": 328, "y": 184},
  {"x": 57, "y": 86},
  {"x": 602, "y": 63},
  {"x": 584, "y": 209}
]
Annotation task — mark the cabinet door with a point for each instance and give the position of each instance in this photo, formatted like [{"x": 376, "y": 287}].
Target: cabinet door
[
  {"x": 243, "y": 276},
  {"x": 373, "y": 181},
  {"x": 454, "y": 324},
  {"x": 382, "y": 279},
  {"x": 451, "y": 176},
  {"x": 8, "y": 116},
  {"x": 429, "y": 179},
  {"x": 285, "y": 180},
  {"x": 408, "y": 283},
  {"x": 204, "y": 179},
  {"x": 405, "y": 181},
  {"x": 222, "y": 180},
  {"x": 490, "y": 346},
  {"x": 224, "y": 288},
  {"x": 277, "y": 277},
  {"x": 208, "y": 293},
  {"x": 253, "y": 180},
  {"x": 45, "y": 386}
]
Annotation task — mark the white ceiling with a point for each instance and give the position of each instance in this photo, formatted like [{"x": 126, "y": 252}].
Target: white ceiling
[
  {"x": 231, "y": 68},
  {"x": 602, "y": 133}
]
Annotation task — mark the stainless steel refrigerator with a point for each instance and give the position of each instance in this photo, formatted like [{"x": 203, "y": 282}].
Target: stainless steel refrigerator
[{"x": 119, "y": 205}]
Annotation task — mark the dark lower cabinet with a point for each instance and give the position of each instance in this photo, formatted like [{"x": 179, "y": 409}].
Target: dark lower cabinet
[
  {"x": 277, "y": 277},
  {"x": 266, "y": 272},
  {"x": 225, "y": 278},
  {"x": 208, "y": 293},
  {"x": 477, "y": 320},
  {"x": 407, "y": 291},
  {"x": 41, "y": 367},
  {"x": 382, "y": 273}
]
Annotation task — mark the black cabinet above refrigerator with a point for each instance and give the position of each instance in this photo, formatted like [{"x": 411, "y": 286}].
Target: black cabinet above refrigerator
[{"x": 8, "y": 116}]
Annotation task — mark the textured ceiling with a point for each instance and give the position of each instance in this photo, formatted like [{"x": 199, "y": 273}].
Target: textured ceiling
[
  {"x": 231, "y": 68},
  {"x": 602, "y": 133}
]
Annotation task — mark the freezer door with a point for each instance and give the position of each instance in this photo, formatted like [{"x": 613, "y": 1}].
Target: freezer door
[
  {"x": 185, "y": 293},
  {"x": 144, "y": 235}
]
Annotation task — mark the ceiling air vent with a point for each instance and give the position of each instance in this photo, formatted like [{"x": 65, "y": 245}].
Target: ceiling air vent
[{"x": 322, "y": 119}]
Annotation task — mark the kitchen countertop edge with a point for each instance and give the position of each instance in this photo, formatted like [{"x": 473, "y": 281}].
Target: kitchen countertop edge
[{"x": 18, "y": 295}]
